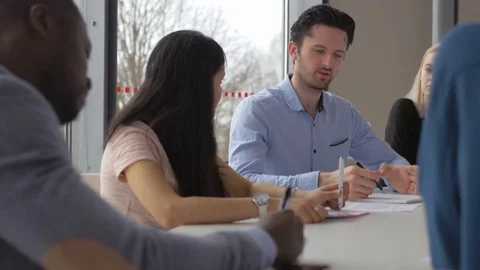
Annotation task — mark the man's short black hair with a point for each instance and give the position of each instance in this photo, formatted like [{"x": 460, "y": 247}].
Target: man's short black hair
[
  {"x": 322, "y": 15},
  {"x": 12, "y": 10}
]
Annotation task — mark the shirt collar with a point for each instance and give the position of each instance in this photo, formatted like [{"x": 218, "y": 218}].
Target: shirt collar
[{"x": 291, "y": 97}]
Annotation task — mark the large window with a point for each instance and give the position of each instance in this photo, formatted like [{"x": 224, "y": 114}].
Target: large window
[
  {"x": 252, "y": 34},
  {"x": 250, "y": 31}
]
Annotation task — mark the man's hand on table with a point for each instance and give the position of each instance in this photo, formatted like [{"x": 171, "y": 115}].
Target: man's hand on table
[
  {"x": 362, "y": 182},
  {"x": 287, "y": 231},
  {"x": 403, "y": 179}
]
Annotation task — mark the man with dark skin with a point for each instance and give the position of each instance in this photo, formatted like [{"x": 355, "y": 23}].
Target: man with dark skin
[{"x": 49, "y": 218}]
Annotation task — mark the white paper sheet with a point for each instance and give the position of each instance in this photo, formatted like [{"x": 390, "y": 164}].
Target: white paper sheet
[
  {"x": 379, "y": 207},
  {"x": 344, "y": 214},
  {"x": 392, "y": 198}
]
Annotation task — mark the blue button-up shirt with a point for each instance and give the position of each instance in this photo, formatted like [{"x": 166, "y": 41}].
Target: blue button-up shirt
[{"x": 273, "y": 139}]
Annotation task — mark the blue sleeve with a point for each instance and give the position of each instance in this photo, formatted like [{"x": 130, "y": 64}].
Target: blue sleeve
[
  {"x": 266, "y": 244},
  {"x": 248, "y": 148},
  {"x": 449, "y": 150},
  {"x": 468, "y": 165},
  {"x": 44, "y": 202},
  {"x": 448, "y": 171},
  {"x": 370, "y": 150}
]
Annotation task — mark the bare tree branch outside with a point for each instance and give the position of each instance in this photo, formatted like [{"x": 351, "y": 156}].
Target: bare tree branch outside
[{"x": 142, "y": 23}]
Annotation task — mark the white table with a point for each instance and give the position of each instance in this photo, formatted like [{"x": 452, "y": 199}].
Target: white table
[{"x": 383, "y": 241}]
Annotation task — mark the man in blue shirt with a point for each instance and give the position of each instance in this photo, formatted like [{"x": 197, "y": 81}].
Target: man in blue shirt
[
  {"x": 449, "y": 149},
  {"x": 293, "y": 135}
]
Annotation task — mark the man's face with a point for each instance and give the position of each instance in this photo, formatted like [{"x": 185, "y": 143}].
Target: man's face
[
  {"x": 63, "y": 80},
  {"x": 72, "y": 84},
  {"x": 319, "y": 57}
]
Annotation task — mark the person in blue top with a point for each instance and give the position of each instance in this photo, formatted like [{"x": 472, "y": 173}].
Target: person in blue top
[
  {"x": 293, "y": 135},
  {"x": 449, "y": 149}
]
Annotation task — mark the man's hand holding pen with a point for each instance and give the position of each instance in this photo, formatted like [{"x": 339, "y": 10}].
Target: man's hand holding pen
[{"x": 362, "y": 182}]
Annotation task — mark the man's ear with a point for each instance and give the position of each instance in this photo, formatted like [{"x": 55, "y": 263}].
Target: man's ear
[
  {"x": 40, "y": 19},
  {"x": 293, "y": 50}
]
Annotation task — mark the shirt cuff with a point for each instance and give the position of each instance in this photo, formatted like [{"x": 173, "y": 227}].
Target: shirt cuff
[
  {"x": 308, "y": 181},
  {"x": 266, "y": 244}
]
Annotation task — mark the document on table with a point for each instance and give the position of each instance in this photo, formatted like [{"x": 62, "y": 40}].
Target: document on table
[
  {"x": 379, "y": 207},
  {"x": 392, "y": 198},
  {"x": 331, "y": 215},
  {"x": 345, "y": 214}
]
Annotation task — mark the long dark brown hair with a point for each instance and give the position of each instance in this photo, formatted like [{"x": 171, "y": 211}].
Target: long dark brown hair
[{"x": 176, "y": 101}]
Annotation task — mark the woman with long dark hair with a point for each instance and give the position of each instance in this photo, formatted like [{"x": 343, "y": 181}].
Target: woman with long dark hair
[{"x": 160, "y": 165}]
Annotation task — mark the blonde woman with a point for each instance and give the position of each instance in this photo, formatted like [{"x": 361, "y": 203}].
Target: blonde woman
[{"x": 406, "y": 116}]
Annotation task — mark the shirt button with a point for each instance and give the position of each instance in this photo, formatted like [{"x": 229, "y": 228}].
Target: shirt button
[
  {"x": 313, "y": 125},
  {"x": 314, "y": 151}
]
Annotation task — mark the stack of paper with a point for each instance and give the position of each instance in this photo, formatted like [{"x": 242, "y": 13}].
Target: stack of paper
[
  {"x": 379, "y": 207},
  {"x": 344, "y": 214},
  {"x": 393, "y": 198},
  {"x": 384, "y": 202}
]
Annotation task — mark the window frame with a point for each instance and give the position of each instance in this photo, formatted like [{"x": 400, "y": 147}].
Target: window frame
[{"x": 85, "y": 136}]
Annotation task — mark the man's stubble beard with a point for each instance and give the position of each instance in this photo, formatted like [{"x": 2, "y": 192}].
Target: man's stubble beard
[
  {"x": 319, "y": 86},
  {"x": 315, "y": 86}
]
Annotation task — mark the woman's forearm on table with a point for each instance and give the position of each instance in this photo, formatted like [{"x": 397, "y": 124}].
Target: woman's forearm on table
[
  {"x": 274, "y": 191},
  {"x": 206, "y": 210}
]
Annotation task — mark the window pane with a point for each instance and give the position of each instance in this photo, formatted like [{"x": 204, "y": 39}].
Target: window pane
[{"x": 254, "y": 47}]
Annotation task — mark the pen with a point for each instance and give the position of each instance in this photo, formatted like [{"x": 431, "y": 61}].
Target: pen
[
  {"x": 376, "y": 182},
  {"x": 286, "y": 199},
  {"x": 378, "y": 185},
  {"x": 341, "y": 167}
]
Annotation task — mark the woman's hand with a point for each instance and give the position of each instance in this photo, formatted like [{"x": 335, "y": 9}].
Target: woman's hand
[
  {"x": 308, "y": 211},
  {"x": 327, "y": 196},
  {"x": 311, "y": 208}
]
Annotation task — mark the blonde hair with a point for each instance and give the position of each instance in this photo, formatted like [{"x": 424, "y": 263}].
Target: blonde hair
[{"x": 416, "y": 93}]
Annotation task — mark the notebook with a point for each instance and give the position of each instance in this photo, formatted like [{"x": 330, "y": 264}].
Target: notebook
[{"x": 395, "y": 198}]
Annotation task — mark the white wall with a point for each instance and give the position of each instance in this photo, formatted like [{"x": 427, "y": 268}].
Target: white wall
[{"x": 469, "y": 11}]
